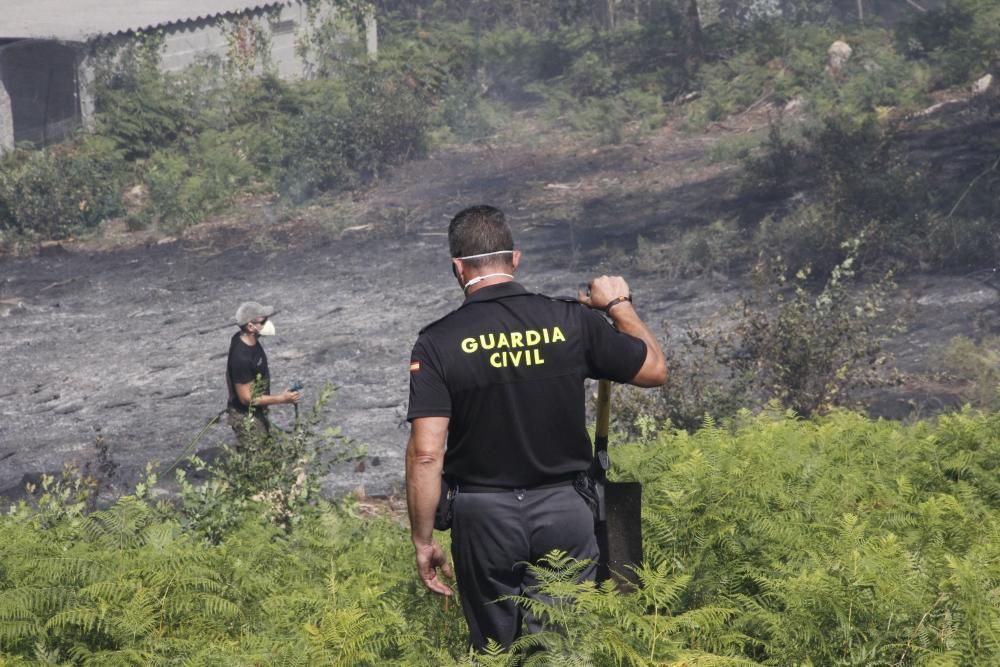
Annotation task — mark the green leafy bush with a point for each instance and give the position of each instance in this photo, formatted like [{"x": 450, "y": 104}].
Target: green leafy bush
[
  {"x": 277, "y": 474},
  {"x": 959, "y": 39},
  {"x": 466, "y": 114},
  {"x": 186, "y": 185},
  {"x": 703, "y": 382},
  {"x": 62, "y": 190},
  {"x": 788, "y": 342},
  {"x": 811, "y": 235},
  {"x": 851, "y": 179},
  {"x": 778, "y": 63},
  {"x": 350, "y": 131},
  {"x": 139, "y": 107},
  {"x": 977, "y": 364},
  {"x": 806, "y": 350}
]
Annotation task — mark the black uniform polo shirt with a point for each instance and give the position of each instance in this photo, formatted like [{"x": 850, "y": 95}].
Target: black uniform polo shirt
[
  {"x": 508, "y": 369},
  {"x": 245, "y": 364}
]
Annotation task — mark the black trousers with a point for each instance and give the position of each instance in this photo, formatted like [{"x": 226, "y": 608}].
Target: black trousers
[
  {"x": 494, "y": 534},
  {"x": 248, "y": 433}
]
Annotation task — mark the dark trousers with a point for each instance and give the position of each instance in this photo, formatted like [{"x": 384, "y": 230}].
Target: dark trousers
[
  {"x": 248, "y": 432},
  {"x": 494, "y": 534}
]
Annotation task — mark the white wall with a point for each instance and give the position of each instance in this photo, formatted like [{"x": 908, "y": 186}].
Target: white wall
[
  {"x": 186, "y": 44},
  {"x": 6, "y": 117}
]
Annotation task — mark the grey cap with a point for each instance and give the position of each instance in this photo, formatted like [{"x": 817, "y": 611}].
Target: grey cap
[{"x": 251, "y": 310}]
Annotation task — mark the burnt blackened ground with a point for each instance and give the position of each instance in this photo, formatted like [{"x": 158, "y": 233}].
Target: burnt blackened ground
[{"x": 126, "y": 346}]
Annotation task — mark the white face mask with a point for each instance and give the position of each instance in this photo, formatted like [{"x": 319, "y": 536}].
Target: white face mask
[
  {"x": 478, "y": 279},
  {"x": 267, "y": 329}
]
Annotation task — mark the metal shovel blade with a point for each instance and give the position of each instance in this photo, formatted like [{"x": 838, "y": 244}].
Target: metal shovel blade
[{"x": 619, "y": 537}]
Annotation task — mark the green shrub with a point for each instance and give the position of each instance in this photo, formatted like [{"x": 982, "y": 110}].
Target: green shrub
[
  {"x": 977, "y": 364},
  {"x": 789, "y": 62},
  {"x": 351, "y": 130},
  {"x": 276, "y": 475},
  {"x": 786, "y": 342},
  {"x": 703, "y": 382},
  {"x": 734, "y": 149},
  {"x": 808, "y": 351},
  {"x": 514, "y": 57},
  {"x": 590, "y": 76},
  {"x": 62, "y": 190},
  {"x": 139, "y": 107},
  {"x": 716, "y": 248},
  {"x": 728, "y": 86},
  {"x": 433, "y": 57},
  {"x": 878, "y": 76},
  {"x": 187, "y": 185},
  {"x": 958, "y": 242},
  {"x": 601, "y": 118},
  {"x": 959, "y": 40},
  {"x": 467, "y": 114},
  {"x": 851, "y": 178},
  {"x": 811, "y": 235}
]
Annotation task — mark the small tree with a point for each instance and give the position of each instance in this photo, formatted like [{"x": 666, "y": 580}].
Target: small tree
[{"x": 808, "y": 351}]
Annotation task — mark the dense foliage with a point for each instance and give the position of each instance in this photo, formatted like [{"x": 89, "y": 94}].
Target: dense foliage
[
  {"x": 768, "y": 540},
  {"x": 848, "y": 153}
]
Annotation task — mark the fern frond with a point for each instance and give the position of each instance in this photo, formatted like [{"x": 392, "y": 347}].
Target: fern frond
[{"x": 88, "y": 619}]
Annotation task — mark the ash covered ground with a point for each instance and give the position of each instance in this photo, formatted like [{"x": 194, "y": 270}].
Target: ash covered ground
[{"x": 125, "y": 344}]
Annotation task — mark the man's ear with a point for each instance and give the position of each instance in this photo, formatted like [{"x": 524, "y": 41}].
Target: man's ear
[
  {"x": 456, "y": 268},
  {"x": 515, "y": 258}
]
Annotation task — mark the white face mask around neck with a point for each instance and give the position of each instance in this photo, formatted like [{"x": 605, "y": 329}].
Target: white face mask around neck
[{"x": 479, "y": 279}]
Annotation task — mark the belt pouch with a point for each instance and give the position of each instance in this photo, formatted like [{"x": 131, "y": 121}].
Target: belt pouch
[{"x": 443, "y": 514}]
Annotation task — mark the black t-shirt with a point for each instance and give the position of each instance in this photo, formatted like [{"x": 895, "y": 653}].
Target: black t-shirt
[
  {"x": 245, "y": 364},
  {"x": 508, "y": 369}
]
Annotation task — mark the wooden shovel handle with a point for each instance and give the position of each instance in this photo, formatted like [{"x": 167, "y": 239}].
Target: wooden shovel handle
[{"x": 603, "y": 414}]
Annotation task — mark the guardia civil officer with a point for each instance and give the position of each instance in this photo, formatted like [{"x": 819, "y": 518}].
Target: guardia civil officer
[
  {"x": 248, "y": 378},
  {"x": 497, "y": 403}
]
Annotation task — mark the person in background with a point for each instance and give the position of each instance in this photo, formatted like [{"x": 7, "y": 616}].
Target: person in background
[{"x": 248, "y": 378}]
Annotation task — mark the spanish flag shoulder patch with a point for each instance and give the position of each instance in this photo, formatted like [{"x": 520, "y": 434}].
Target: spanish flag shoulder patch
[{"x": 414, "y": 366}]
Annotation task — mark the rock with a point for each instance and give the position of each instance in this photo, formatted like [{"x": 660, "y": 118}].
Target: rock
[
  {"x": 793, "y": 105},
  {"x": 837, "y": 56},
  {"x": 982, "y": 85},
  {"x": 136, "y": 198},
  {"x": 12, "y": 309}
]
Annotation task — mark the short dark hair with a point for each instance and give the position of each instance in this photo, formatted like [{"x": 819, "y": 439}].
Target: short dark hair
[{"x": 478, "y": 230}]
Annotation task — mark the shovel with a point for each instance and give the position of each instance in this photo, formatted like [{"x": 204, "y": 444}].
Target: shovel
[{"x": 619, "y": 520}]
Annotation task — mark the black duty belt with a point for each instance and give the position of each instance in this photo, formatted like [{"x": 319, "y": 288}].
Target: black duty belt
[{"x": 562, "y": 480}]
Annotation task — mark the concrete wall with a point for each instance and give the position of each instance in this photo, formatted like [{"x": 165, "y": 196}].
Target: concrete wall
[
  {"x": 6, "y": 117},
  {"x": 46, "y": 87},
  {"x": 282, "y": 27}
]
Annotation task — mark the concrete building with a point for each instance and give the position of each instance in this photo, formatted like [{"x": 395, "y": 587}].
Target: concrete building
[{"x": 46, "y": 47}]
